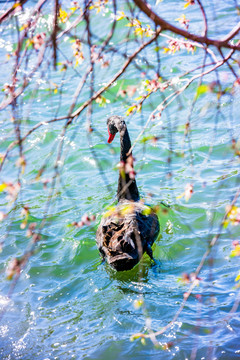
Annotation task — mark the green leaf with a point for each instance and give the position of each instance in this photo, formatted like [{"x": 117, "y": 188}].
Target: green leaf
[
  {"x": 201, "y": 90},
  {"x": 136, "y": 336}
]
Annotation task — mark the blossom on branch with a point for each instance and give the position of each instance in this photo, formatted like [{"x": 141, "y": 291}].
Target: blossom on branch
[
  {"x": 183, "y": 21},
  {"x": 77, "y": 52},
  {"x": 38, "y": 40}
]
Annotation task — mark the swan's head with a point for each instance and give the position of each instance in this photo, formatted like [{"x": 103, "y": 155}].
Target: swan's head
[{"x": 115, "y": 123}]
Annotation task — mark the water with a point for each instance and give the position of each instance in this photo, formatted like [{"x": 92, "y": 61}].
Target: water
[{"x": 66, "y": 304}]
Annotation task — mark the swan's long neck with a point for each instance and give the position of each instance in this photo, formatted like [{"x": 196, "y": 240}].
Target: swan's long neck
[
  {"x": 127, "y": 188},
  {"x": 125, "y": 143}
]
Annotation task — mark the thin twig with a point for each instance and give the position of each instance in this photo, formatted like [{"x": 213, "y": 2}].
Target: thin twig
[{"x": 186, "y": 34}]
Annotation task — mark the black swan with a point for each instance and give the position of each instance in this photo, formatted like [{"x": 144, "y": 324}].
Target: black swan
[{"x": 129, "y": 229}]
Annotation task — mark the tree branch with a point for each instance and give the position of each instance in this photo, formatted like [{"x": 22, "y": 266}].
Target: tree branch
[
  {"x": 116, "y": 76},
  {"x": 201, "y": 39}
]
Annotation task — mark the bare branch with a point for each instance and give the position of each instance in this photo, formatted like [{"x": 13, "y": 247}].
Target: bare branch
[
  {"x": 204, "y": 18},
  {"x": 11, "y": 10},
  {"x": 201, "y": 39},
  {"x": 116, "y": 76}
]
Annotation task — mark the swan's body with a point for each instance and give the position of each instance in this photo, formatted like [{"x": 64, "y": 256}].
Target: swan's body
[{"x": 129, "y": 229}]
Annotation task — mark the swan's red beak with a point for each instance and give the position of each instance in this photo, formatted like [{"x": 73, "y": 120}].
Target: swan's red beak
[{"x": 111, "y": 137}]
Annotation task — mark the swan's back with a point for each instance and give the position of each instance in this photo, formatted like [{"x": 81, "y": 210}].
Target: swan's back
[{"x": 125, "y": 233}]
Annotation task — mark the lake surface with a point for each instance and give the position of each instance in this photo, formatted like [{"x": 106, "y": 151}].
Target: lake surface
[{"x": 66, "y": 303}]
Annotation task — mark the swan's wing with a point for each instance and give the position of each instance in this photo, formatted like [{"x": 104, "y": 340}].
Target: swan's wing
[
  {"x": 126, "y": 233},
  {"x": 113, "y": 238},
  {"x": 148, "y": 226}
]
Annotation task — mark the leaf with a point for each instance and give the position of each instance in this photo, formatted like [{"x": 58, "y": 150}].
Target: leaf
[
  {"x": 236, "y": 251},
  {"x": 18, "y": 3},
  {"x": 139, "y": 31},
  {"x": 129, "y": 25},
  {"x": 137, "y": 22},
  {"x": 146, "y": 211},
  {"x": 24, "y": 26},
  {"x": 202, "y": 89},
  {"x": 225, "y": 224},
  {"x": 3, "y": 187},
  {"x": 238, "y": 277},
  {"x": 131, "y": 110},
  {"x": 165, "y": 50},
  {"x": 136, "y": 336},
  {"x": 180, "y": 196},
  {"x": 121, "y": 15},
  {"x": 63, "y": 15},
  {"x": 146, "y": 138}
]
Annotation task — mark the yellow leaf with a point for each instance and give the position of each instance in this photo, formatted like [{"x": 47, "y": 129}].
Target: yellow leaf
[
  {"x": 236, "y": 251},
  {"x": 183, "y": 17},
  {"x": 121, "y": 15},
  {"x": 139, "y": 31},
  {"x": 137, "y": 22},
  {"x": 130, "y": 110},
  {"x": 136, "y": 336},
  {"x": 180, "y": 196},
  {"x": 186, "y": 5},
  {"x": 55, "y": 91},
  {"x": 238, "y": 277},
  {"x": 73, "y": 9},
  {"x": 225, "y": 224},
  {"x": 146, "y": 211},
  {"x": 29, "y": 42},
  {"x": 23, "y": 27},
  {"x": 202, "y": 89},
  {"x": 3, "y": 186},
  {"x": 16, "y": 5},
  {"x": 63, "y": 15}
]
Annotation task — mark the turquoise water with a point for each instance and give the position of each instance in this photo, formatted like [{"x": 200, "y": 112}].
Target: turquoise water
[{"x": 66, "y": 303}]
